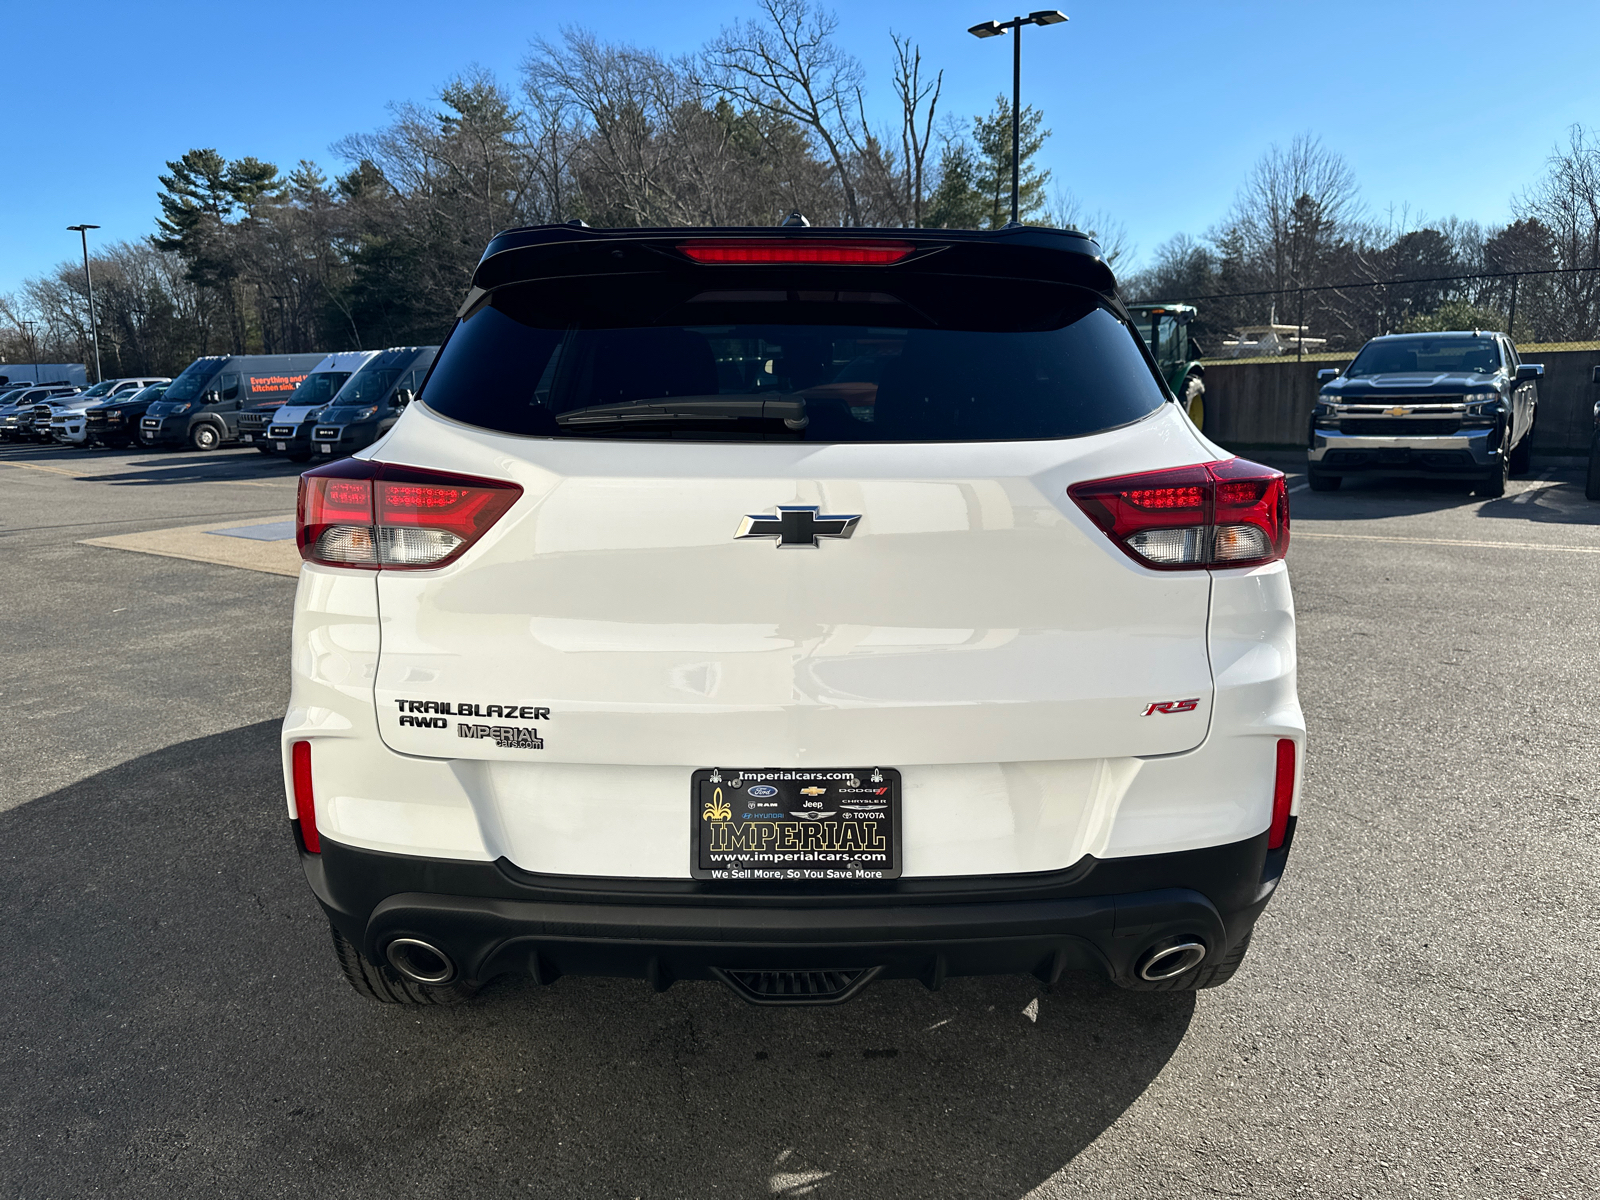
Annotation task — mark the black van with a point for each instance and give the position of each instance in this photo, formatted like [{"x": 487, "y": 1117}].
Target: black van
[
  {"x": 370, "y": 403},
  {"x": 201, "y": 407}
]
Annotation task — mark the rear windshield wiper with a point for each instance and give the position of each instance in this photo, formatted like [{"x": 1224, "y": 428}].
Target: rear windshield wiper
[{"x": 791, "y": 410}]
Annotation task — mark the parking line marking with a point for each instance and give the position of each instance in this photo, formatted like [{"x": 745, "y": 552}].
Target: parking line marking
[
  {"x": 1414, "y": 541},
  {"x": 1298, "y": 488},
  {"x": 41, "y": 467}
]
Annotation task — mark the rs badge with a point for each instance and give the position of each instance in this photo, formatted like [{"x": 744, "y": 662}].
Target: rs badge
[{"x": 1172, "y": 706}]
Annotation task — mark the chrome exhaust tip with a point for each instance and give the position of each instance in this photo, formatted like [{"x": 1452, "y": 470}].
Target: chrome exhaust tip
[
  {"x": 1165, "y": 961},
  {"x": 420, "y": 962}
]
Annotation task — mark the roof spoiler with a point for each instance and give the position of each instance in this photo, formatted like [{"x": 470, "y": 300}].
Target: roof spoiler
[{"x": 565, "y": 251}]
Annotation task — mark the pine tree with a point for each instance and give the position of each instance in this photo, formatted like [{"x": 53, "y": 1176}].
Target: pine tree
[{"x": 993, "y": 137}]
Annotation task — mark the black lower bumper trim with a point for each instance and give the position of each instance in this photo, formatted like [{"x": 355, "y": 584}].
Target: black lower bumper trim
[{"x": 1098, "y": 915}]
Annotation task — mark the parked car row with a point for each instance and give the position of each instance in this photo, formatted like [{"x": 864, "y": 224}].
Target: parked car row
[{"x": 293, "y": 405}]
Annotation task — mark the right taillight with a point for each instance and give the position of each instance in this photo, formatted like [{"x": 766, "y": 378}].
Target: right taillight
[
  {"x": 1232, "y": 513},
  {"x": 381, "y": 516}
]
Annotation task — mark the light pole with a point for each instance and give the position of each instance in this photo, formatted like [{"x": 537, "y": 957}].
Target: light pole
[
  {"x": 33, "y": 348},
  {"x": 83, "y": 232},
  {"x": 991, "y": 29}
]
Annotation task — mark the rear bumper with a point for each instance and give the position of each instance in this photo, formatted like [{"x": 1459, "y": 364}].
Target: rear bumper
[
  {"x": 1470, "y": 453},
  {"x": 1099, "y": 915}
]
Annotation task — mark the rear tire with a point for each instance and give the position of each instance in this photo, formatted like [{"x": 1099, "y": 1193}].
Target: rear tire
[
  {"x": 1494, "y": 483},
  {"x": 204, "y": 437},
  {"x": 1194, "y": 401},
  {"x": 1522, "y": 456},
  {"x": 385, "y": 985},
  {"x": 1317, "y": 481},
  {"x": 1591, "y": 484}
]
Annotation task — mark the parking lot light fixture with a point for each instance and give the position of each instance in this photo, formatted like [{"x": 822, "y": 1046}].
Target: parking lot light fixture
[
  {"x": 989, "y": 29},
  {"x": 94, "y": 332}
]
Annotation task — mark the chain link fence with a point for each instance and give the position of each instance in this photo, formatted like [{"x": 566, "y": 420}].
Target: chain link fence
[
  {"x": 1543, "y": 310},
  {"x": 1262, "y": 347}
]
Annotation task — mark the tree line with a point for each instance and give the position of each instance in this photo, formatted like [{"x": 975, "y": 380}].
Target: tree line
[
  {"x": 770, "y": 116},
  {"x": 1298, "y": 247}
]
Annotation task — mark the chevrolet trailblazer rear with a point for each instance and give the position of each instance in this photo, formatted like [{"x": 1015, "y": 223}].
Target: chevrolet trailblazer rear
[{"x": 792, "y": 609}]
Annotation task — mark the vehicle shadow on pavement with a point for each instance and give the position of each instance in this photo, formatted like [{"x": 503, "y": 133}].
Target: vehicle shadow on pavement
[
  {"x": 201, "y": 470},
  {"x": 1556, "y": 500},
  {"x": 175, "y": 1025}
]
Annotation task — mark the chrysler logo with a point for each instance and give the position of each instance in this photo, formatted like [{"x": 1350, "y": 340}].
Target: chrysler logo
[{"x": 797, "y": 525}]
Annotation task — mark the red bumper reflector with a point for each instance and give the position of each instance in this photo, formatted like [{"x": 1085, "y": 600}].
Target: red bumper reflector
[
  {"x": 305, "y": 804},
  {"x": 1282, "y": 795},
  {"x": 751, "y": 251}
]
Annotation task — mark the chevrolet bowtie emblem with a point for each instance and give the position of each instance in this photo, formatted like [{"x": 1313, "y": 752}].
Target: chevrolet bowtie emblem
[
  {"x": 797, "y": 525},
  {"x": 1396, "y": 411}
]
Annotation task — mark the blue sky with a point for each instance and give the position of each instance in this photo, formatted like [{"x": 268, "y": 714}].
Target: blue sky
[{"x": 1158, "y": 109}]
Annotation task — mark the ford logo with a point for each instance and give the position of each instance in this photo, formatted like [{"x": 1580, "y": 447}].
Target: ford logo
[{"x": 762, "y": 791}]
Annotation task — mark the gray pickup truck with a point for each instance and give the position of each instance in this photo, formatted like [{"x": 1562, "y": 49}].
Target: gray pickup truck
[{"x": 1439, "y": 405}]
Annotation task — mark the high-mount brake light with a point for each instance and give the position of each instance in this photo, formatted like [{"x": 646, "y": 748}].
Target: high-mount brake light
[
  {"x": 797, "y": 251},
  {"x": 381, "y": 516},
  {"x": 1232, "y": 513},
  {"x": 305, "y": 801}
]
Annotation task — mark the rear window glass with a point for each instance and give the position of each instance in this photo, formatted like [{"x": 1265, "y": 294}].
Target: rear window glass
[{"x": 937, "y": 360}]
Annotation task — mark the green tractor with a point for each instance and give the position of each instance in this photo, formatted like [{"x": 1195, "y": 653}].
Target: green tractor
[{"x": 1165, "y": 329}]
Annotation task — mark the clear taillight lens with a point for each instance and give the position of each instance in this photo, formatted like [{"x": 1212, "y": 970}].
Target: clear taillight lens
[
  {"x": 1232, "y": 513},
  {"x": 360, "y": 513}
]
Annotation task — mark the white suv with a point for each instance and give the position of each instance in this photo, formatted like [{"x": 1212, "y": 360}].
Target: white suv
[{"x": 792, "y": 609}]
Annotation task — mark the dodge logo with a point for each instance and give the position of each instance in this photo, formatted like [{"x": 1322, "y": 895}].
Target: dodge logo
[{"x": 797, "y": 525}]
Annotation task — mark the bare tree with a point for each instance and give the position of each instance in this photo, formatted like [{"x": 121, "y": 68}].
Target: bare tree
[
  {"x": 919, "y": 100},
  {"x": 788, "y": 65},
  {"x": 646, "y": 150},
  {"x": 1293, "y": 207},
  {"x": 1065, "y": 212},
  {"x": 1566, "y": 204}
]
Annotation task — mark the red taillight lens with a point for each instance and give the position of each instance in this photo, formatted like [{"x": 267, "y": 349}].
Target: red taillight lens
[
  {"x": 1282, "y": 795},
  {"x": 372, "y": 515},
  {"x": 1222, "y": 514},
  {"x": 305, "y": 803},
  {"x": 754, "y": 251}
]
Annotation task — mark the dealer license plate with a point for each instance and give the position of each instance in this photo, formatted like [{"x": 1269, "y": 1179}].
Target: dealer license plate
[
  {"x": 247, "y": 437},
  {"x": 326, "y": 449},
  {"x": 780, "y": 825},
  {"x": 279, "y": 446}
]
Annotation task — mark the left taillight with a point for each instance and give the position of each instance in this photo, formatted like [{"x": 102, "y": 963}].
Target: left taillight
[
  {"x": 1210, "y": 516},
  {"x": 382, "y": 516},
  {"x": 305, "y": 801}
]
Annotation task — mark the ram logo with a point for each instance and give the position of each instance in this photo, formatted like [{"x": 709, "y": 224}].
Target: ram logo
[{"x": 1172, "y": 706}]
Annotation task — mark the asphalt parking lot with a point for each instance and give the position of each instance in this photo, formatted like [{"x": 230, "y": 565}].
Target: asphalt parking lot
[{"x": 1418, "y": 1015}]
